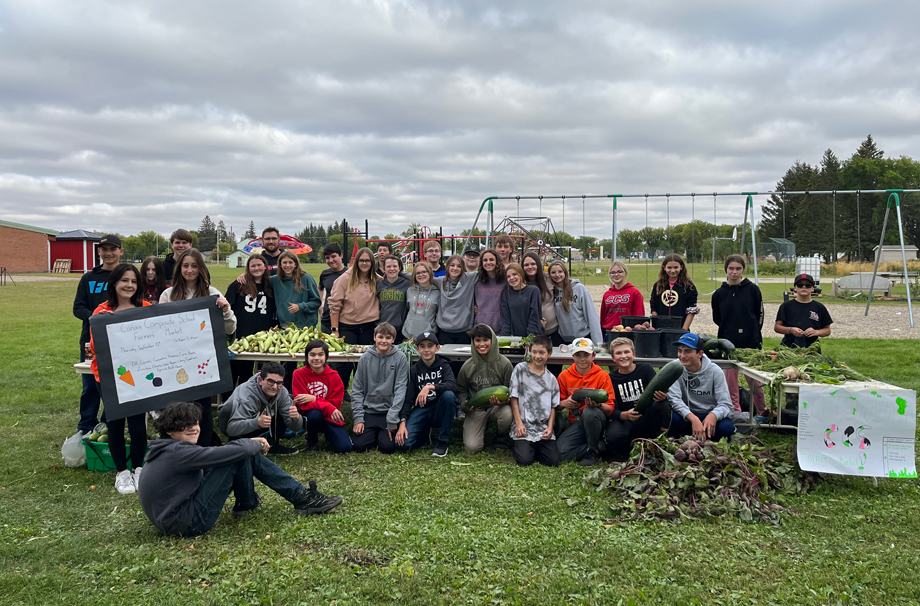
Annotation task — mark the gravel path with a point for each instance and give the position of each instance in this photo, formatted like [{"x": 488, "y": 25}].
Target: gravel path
[{"x": 883, "y": 322}]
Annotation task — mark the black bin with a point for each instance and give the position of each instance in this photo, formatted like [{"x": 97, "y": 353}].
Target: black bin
[
  {"x": 633, "y": 321},
  {"x": 661, "y": 322},
  {"x": 612, "y": 334},
  {"x": 668, "y": 336},
  {"x": 648, "y": 343}
]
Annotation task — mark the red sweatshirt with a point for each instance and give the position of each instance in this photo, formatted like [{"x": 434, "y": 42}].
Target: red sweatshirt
[
  {"x": 326, "y": 386},
  {"x": 626, "y": 301}
]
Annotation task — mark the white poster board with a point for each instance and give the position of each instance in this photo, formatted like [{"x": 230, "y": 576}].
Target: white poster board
[{"x": 857, "y": 430}]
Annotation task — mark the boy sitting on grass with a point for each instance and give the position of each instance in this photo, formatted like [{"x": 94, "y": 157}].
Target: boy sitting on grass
[
  {"x": 430, "y": 401},
  {"x": 318, "y": 393},
  {"x": 534, "y": 397},
  {"x": 185, "y": 486},
  {"x": 378, "y": 391},
  {"x": 485, "y": 368}
]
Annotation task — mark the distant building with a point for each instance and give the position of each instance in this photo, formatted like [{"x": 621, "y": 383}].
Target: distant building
[
  {"x": 79, "y": 246},
  {"x": 891, "y": 253},
  {"x": 25, "y": 248}
]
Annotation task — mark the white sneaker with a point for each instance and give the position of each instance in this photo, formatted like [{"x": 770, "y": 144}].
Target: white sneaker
[
  {"x": 124, "y": 482},
  {"x": 137, "y": 477}
]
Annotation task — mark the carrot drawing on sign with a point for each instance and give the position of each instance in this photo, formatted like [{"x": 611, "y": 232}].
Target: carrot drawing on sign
[{"x": 125, "y": 375}]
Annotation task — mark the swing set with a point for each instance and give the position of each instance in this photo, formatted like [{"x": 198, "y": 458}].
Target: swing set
[{"x": 894, "y": 198}]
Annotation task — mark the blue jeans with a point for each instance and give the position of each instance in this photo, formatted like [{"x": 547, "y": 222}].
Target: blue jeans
[
  {"x": 682, "y": 427},
  {"x": 421, "y": 420},
  {"x": 335, "y": 434},
  {"x": 217, "y": 483},
  {"x": 89, "y": 401}
]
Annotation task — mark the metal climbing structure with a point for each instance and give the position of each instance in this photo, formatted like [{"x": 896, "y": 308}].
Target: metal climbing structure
[{"x": 532, "y": 234}]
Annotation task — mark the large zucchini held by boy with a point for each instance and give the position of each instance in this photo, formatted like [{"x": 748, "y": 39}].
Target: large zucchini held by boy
[
  {"x": 669, "y": 373},
  {"x": 483, "y": 396},
  {"x": 598, "y": 395}
]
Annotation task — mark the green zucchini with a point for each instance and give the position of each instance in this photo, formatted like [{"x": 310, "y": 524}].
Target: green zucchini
[
  {"x": 504, "y": 342},
  {"x": 719, "y": 349},
  {"x": 669, "y": 373},
  {"x": 598, "y": 395},
  {"x": 483, "y": 396}
]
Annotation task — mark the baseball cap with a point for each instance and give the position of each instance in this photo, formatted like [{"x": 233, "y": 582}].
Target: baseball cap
[
  {"x": 111, "y": 240},
  {"x": 427, "y": 336},
  {"x": 583, "y": 345},
  {"x": 804, "y": 278},
  {"x": 690, "y": 340},
  {"x": 472, "y": 248}
]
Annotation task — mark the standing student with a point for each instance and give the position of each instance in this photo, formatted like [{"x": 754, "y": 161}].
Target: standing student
[
  {"x": 587, "y": 419},
  {"x": 422, "y": 300},
  {"x": 737, "y": 309},
  {"x": 534, "y": 397},
  {"x": 485, "y": 368},
  {"x": 383, "y": 251},
  {"x": 124, "y": 293},
  {"x": 154, "y": 279},
  {"x": 621, "y": 299},
  {"x": 455, "y": 311},
  {"x": 431, "y": 399},
  {"x": 332, "y": 255},
  {"x": 629, "y": 381},
  {"x": 192, "y": 280},
  {"x": 353, "y": 307},
  {"x": 488, "y": 290},
  {"x": 504, "y": 246},
  {"x": 433, "y": 256},
  {"x": 521, "y": 311},
  {"x": 296, "y": 299},
  {"x": 91, "y": 291},
  {"x": 271, "y": 249},
  {"x": 471, "y": 257},
  {"x": 391, "y": 292},
  {"x": 674, "y": 294},
  {"x": 575, "y": 309},
  {"x": 318, "y": 393},
  {"x": 378, "y": 393},
  {"x": 180, "y": 241},
  {"x": 253, "y": 304},
  {"x": 802, "y": 320}
]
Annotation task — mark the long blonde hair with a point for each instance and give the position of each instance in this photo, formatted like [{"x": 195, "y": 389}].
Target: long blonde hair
[
  {"x": 355, "y": 278},
  {"x": 202, "y": 283},
  {"x": 566, "y": 288}
]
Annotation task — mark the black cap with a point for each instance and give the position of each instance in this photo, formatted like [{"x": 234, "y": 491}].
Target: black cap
[
  {"x": 804, "y": 278},
  {"x": 427, "y": 336},
  {"x": 472, "y": 248},
  {"x": 112, "y": 240}
]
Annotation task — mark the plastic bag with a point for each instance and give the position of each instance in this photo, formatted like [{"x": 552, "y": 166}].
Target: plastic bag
[{"x": 73, "y": 451}]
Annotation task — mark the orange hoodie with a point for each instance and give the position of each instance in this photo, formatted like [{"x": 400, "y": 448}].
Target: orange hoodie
[
  {"x": 102, "y": 309},
  {"x": 570, "y": 380}
]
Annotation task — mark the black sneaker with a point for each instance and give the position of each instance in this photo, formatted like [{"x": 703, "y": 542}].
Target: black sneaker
[
  {"x": 282, "y": 451},
  {"x": 312, "y": 447},
  {"x": 590, "y": 459},
  {"x": 499, "y": 443},
  {"x": 240, "y": 510},
  {"x": 440, "y": 449},
  {"x": 313, "y": 501}
]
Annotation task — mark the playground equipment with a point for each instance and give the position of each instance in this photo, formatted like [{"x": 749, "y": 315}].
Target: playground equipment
[{"x": 535, "y": 234}]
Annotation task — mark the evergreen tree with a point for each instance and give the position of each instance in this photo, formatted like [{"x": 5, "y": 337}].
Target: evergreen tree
[
  {"x": 868, "y": 149},
  {"x": 207, "y": 234},
  {"x": 222, "y": 234},
  {"x": 251, "y": 232}
]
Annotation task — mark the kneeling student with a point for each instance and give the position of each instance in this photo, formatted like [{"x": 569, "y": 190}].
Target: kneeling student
[
  {"x": 699, "y": 398},
  {"x": 534, "y": 397},
  {"x": 587, "y": 419},
  {"x": 485, "y": 368},
  {"x": 629, "y": 381},
  {"x": 378, "y": 391},
  {"x": 430, "y": 401},
  {"x": 185, "y": 485},
  {"x": 318, "y": 393}
]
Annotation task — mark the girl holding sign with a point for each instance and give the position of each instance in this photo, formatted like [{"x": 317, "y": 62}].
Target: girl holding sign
[
  {"x": 191, "y": 280},
  {"x": 125, "y": 292},
  {"x": 253, "y": 304}
]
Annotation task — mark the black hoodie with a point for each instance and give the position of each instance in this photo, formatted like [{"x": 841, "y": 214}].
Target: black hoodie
[
  {"x": 738, "y": 311},
  {"x": 92, "y": 290},
  {"x": 169, "y": 267},
  {"x": 420, "y": 375}
]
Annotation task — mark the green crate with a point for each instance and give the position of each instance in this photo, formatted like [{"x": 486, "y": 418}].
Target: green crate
[{"x": 98, "y": 456}]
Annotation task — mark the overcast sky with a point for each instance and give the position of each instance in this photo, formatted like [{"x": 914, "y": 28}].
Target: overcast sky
[{"x": 128, "y": 116}]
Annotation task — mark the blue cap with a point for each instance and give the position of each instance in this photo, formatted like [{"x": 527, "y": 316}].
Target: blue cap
[{"x": 690, "y": 340}]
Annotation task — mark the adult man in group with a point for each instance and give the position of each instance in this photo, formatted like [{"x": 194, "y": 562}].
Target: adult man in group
[
  {"x": 180, "y": 241},
  {"x": 471, "y": 257},
  {"x": 271, "y": 248},
  {"x": 93, "y": 290},
  {"x": 262, "y": 404},
  {"x": 699, "y": 398}
]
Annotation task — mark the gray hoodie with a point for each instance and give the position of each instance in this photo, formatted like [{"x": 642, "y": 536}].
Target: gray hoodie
[
  {"x": 455, "y": 313},
  {"x": 380, "y": 385},
  {"x": 581, "y": 320},
  {"x": 247, "y": 403},
  {"x": 423, "y": 306},
  {"x": 172, "y": 473},
  {"x": 704, "y": 391}
]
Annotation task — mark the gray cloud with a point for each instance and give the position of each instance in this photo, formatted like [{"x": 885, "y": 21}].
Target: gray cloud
[{"x": 132, "y": 116}]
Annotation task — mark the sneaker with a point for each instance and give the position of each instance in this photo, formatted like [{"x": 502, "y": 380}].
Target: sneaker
[
  {"x": 124, "y": 482},
  {"x": 461, "y": 414},
  {"x": 240, "y": 510},
  {"x": 312, "y": 447},
  {"x": 137, "y": 477},
  {"x": 590, "y": 459},
  {"x": 313, "y": 501},
  {"x": 282, "y": 451},
  {"x": 440, "y": 449},
  {"x": 498, "y": 442}
]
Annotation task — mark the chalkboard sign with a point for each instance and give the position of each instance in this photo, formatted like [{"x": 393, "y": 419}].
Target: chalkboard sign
[{"x": 149, "y": 357}]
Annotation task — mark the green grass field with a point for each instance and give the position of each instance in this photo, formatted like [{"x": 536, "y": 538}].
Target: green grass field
[{"x": 414, "y": 529}]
